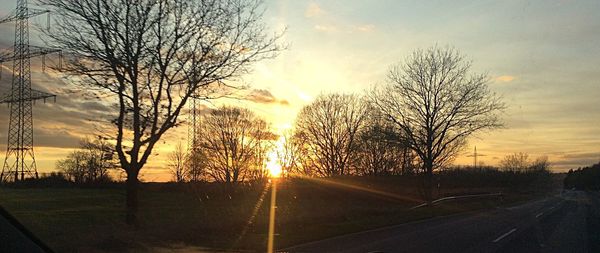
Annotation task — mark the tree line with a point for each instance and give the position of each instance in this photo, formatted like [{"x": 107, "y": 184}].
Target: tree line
[
  {"x": 334, "y": 135},
  {"x": 587, "y": 178},
  {"x": 416, "y": 123},
  {"x": 150, "y": 58}
]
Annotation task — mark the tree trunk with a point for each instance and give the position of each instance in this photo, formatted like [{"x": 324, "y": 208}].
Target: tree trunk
[
  {"x": 132, "y": 199},
  {"x": 428, "y": 182},
  {"x": 428, "y": 187}
]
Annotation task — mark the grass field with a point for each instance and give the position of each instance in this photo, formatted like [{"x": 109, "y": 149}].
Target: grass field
[{"x": 212, "y": 216}]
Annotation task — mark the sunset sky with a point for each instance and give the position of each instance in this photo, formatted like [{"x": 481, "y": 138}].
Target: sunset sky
[{"x": 542, "y": 56}]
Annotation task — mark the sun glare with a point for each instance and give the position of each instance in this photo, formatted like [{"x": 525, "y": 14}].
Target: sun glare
[{"x": 273, "y": 165}]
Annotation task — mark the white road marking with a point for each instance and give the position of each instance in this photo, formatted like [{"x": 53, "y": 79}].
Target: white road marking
[
  {"x": 505, "y": 235},
  {"x": 539, "y": 214}
]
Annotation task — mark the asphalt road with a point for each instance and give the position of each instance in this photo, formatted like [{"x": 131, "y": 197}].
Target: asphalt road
[
  {"x": 553, "y": 224},
  {"x": 15, "y": 238}
]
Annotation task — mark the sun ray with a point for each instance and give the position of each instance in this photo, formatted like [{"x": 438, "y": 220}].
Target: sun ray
[
  {"x": 253, "y": 215},
  {"x": 271, "y": 239},
  {"x": 329, "y": 182}
]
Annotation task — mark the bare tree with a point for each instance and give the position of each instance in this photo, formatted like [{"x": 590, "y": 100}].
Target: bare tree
[
  {"x": 329, "y": 127},
  {"x": 382, "y": 150},
  {"x": 264, "y": 146},
  {"x": 288, "y": 153},
  {"x": 519, "y": 162},
  {"x": 196, "y": 165},
  {"x": 231, "y": 139},
  {"x": 436, "y": 103},
  {"x": 177, "y": 164},
  {"x": 74, "y": 166},
  {"x": 90, "y": 163},
  {"x": 540, "y": 164},
  {"x": 515, "y": 162},
  {"x": 151, "y": 56}
]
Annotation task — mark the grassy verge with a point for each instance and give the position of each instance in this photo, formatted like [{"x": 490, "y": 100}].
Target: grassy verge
[{"x": 209, "y": 215}]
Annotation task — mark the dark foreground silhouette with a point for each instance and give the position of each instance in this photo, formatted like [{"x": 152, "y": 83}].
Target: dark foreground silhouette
[
  {"x": 16, "y": 238},
  {"x": 73, "y": 218},
  {"x": 563, "y": 223}
]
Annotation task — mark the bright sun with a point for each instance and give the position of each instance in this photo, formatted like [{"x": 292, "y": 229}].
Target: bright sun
[{"x": 273, "y": 165}]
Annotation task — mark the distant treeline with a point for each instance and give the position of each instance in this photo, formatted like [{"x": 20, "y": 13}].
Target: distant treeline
[
  {"x": 485, "y": 178},
  {"x": 494, "y": 177},
  {"x": 587, "y": 178},
  {"x": 60, "y": 179}
]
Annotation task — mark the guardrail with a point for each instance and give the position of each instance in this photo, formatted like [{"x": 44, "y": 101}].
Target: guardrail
[{"x": 498, "y": 194}]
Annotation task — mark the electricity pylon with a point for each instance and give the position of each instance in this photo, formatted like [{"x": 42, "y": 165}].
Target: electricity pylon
[
  {"x": 475, "y": 155},
  {"x": 193, "y": 124},
  {"x": 19, "y": 162}
]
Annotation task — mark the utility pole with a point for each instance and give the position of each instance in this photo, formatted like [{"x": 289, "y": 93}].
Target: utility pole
[
  {"x": 19, "y": 162},
  {"x": 193, "y": 124},
  {"x": 192, "y": 150},
  {"x": 475, "y": 155}
]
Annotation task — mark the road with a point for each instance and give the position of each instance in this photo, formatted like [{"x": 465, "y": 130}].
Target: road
[
  {"x": 15, "y": 238},
  {"x": 553, "y": 224}
]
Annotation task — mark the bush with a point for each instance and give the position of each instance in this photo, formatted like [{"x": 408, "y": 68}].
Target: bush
[{"x": 587, "y": 178}]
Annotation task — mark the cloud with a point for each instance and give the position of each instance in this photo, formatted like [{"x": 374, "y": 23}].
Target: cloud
[
  {"x": 505, "y": 79},
  {"x": 264, "y": 97},
  {"x": 325, "y": 28},
  {"x": 56, "y": 138},
  {"x": 345, "y": 28},
  {"x": 59, "y": 123},
  {"x": 305, "y": 97},
  {"x": 365, "y": 28},
  {"x": 574, "y": 160},
  {"x": 313, "y": 10}
]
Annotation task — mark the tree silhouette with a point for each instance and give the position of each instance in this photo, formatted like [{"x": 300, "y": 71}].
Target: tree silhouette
[
  {"x": 289, "y": 153},
  {"x": 89, "y": 164},
  {"x": 382, "y": 149},
  {"x": 329, "y": 129},
  {"x": 436, "y": 103},
  {"x": 178, "y": 164},
  {"x": 151, "y": 56},
  {"x": 233, "y": 140}
]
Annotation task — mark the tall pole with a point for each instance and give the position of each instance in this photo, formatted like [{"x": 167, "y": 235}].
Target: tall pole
[
  {"x": 475, "y": 155},
  {"x": 19, "y": 162},
  {"x": 193, "y": 140},
  {"x": 193, "y": 124}
]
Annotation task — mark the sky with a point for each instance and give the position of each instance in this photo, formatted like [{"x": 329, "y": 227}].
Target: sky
[{"x": 542, "y": 56}]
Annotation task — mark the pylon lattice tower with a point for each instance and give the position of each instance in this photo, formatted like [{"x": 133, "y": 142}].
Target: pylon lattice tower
[
  {"x": 475, "y": 155},
  {"x": 19, "y": 162},
  {"x": 193, "y": 124}
]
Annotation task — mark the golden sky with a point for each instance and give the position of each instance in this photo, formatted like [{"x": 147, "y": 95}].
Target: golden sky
[{"x": 542, "y": 56}]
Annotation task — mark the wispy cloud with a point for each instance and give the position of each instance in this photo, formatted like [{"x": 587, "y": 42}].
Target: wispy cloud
[
  {"x": 325, "y": 28},
  {"x": 365, "y": 28},
  {"x": 505, "y": 79},
  {"x": 264, "y": 97},
  {"x": 571, "y": 161},
  {"x": 313, "y": 10}
]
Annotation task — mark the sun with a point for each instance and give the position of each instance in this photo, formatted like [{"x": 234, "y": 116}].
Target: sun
[{"x": 273, "y": 165}]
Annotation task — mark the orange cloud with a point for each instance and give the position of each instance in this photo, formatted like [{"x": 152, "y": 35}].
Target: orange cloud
[
  {"x": 264, "y": 97},
  {"x": 505, "y": 79}
]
